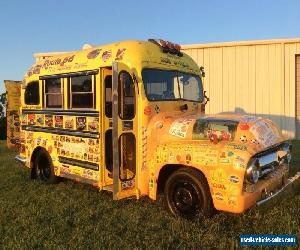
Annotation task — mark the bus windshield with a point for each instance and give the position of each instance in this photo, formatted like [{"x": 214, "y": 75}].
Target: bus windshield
[{"x": 163, "y": 85}]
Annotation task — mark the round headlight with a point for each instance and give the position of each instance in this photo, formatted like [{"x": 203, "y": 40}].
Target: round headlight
[{"x": 252, "y": 171}]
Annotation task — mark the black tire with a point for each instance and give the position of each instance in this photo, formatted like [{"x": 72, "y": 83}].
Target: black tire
[
  {"x": 187, "y": 194},
  {"x": 43, "y": 167}
]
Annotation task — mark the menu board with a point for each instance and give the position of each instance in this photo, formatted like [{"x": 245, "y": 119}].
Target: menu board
[{"x": 13, "y": 95}]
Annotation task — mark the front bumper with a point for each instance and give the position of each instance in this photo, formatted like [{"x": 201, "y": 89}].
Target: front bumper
[
  {"x": 21, "y": 159},
  {"x": 287, "y": 190},
  {"x": 268, "y": 191}
]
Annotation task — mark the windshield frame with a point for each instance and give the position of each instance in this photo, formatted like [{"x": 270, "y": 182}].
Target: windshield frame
[{"x": 176, "y": 99}]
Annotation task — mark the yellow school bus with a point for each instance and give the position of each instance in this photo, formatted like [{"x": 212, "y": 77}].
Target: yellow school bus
[{"x": 128, "y": 118}]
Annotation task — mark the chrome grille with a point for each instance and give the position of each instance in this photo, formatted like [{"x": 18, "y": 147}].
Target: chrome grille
[{"x": 269, "y": 160}]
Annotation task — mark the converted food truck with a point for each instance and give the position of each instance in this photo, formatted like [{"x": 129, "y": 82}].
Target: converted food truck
[{"x": 129, "y": 118}]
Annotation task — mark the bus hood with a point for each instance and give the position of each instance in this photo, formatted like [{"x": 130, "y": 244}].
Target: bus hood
[{"x": 255, "y": 133}]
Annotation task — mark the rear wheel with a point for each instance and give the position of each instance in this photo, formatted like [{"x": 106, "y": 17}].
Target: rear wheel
[
  {"x": 187, "y": 194},
  {"x": 43, "y": 167}
]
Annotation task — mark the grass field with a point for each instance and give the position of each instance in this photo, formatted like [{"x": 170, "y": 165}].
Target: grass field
[{"x": 69, "y": 215}]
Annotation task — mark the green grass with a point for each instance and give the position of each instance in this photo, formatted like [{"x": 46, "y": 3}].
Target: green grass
[{"x": 69, "y": 215}]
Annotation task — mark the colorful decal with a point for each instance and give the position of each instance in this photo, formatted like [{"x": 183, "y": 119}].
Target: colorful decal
[
  {"x": 223, "y": 155},
  {"x": 49, "y": 120},
  {"x": 158, "y": 124},
  {"x": 240, "y": 162},
  {"x": 179, "y": 127},
  {"x": 76, "y": 149},
  {"x": 106, "y": 55},
  {"x": 44, "y": 143},
  {"x": 23, "y": 138},
  {"x": 120, "y": 54},
  {"x": 58, "y": 121},
  {"x": 50, "y": 150},
  {"x": 157, "y": 109},
  {"x": 224, "y": 161},
  {"x": 24, "y": 119},
  {"x": 56, "y": 170},
  {"x": 127, "y": 125},
  {"x": 31, "y": 119},
  {"x": 218, "y": 175},
  {"x": 243, "y": 139},
  {"x": 96, "y": 158},
  {"x": 253, "y": 141},
  {"x": 263, "y": 133},
  {"x": 240, "y": 159},
  {"x": 232, "y": 201},
  {"x": 93, "y": 124},
  {"x": 69, "y": 123},
  {"x": 218, "y": 186},
  {"x": 230, "y": 153},
  {"x": 38, "y": 140},
  {"x": 234, "y": 179},
  {"x": 40, "y": 120},
  {"x": 219, "y": 196},
  {"x": 13, "y": 128},
  {"x": 128, "y": 184},
  {"x": 65, "y": 169},
  {"x": 147, "y": 110},
  {"x": 243, "y": 126},
  {"x": 151, "y": 183},
  {"x": 80, "y": 123},
  {"x": 144, "y": 149},
  {"x": 238, "y": 147},
  {"x": 87, "y": 173},
  {"x": 93, "y": 54},
  {"x": 188, "y": 158},
  {"x": 22, "y": 148}
]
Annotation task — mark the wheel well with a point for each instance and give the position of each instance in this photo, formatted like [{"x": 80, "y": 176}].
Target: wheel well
[{"x": 167, "y": 170}]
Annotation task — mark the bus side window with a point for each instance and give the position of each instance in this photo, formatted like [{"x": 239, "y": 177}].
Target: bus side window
[
  {"x": 53, "y": 93},
  {"x": 108, "y": 96},
  {"x": 32, "y": 95},
  {"x": 126, "y": 96},
  {"x": 82, "y": 91}
]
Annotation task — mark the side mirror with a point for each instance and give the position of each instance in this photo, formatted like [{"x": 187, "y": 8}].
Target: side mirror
[
  {"x": 202, "y": 71},
  {"x": 206, "y": 98}
]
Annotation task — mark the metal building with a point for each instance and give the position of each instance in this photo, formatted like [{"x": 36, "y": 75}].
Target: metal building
[{"x": 253, "y": 77}]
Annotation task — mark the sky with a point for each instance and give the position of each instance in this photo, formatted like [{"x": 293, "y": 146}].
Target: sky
[{"x": 28, "y": 27}]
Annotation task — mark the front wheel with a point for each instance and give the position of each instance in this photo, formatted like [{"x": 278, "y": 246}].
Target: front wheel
[
  {"x": 43, "y": 167},
  {"x": 187, "y": 194}
]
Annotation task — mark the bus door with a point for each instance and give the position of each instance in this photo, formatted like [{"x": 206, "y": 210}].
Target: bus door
[
  {"x": 124, "y": 131},
  {"x": 106, "y": 112}
]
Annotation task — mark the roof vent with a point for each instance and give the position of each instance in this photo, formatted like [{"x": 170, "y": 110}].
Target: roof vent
[{"x": 87, "y": 46}]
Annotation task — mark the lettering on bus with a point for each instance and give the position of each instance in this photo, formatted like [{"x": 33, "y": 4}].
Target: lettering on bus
[{"x": 36, "y": 69}]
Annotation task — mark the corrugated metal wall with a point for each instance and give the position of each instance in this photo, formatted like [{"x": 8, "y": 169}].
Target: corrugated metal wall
[
  {"x": 298, "y": 96},
  {"x": 256, "y": 77}
]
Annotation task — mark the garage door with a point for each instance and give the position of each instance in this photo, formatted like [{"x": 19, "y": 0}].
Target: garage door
[{"x": 298, "y": 96}]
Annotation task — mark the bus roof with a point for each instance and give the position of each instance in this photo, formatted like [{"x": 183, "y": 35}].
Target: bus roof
[{"x": 135, "y": 54}]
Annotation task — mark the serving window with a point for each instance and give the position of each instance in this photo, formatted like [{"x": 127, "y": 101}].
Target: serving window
[
  {"x": 53, "y": 93},
  {"x": 82, "y": 91}
]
